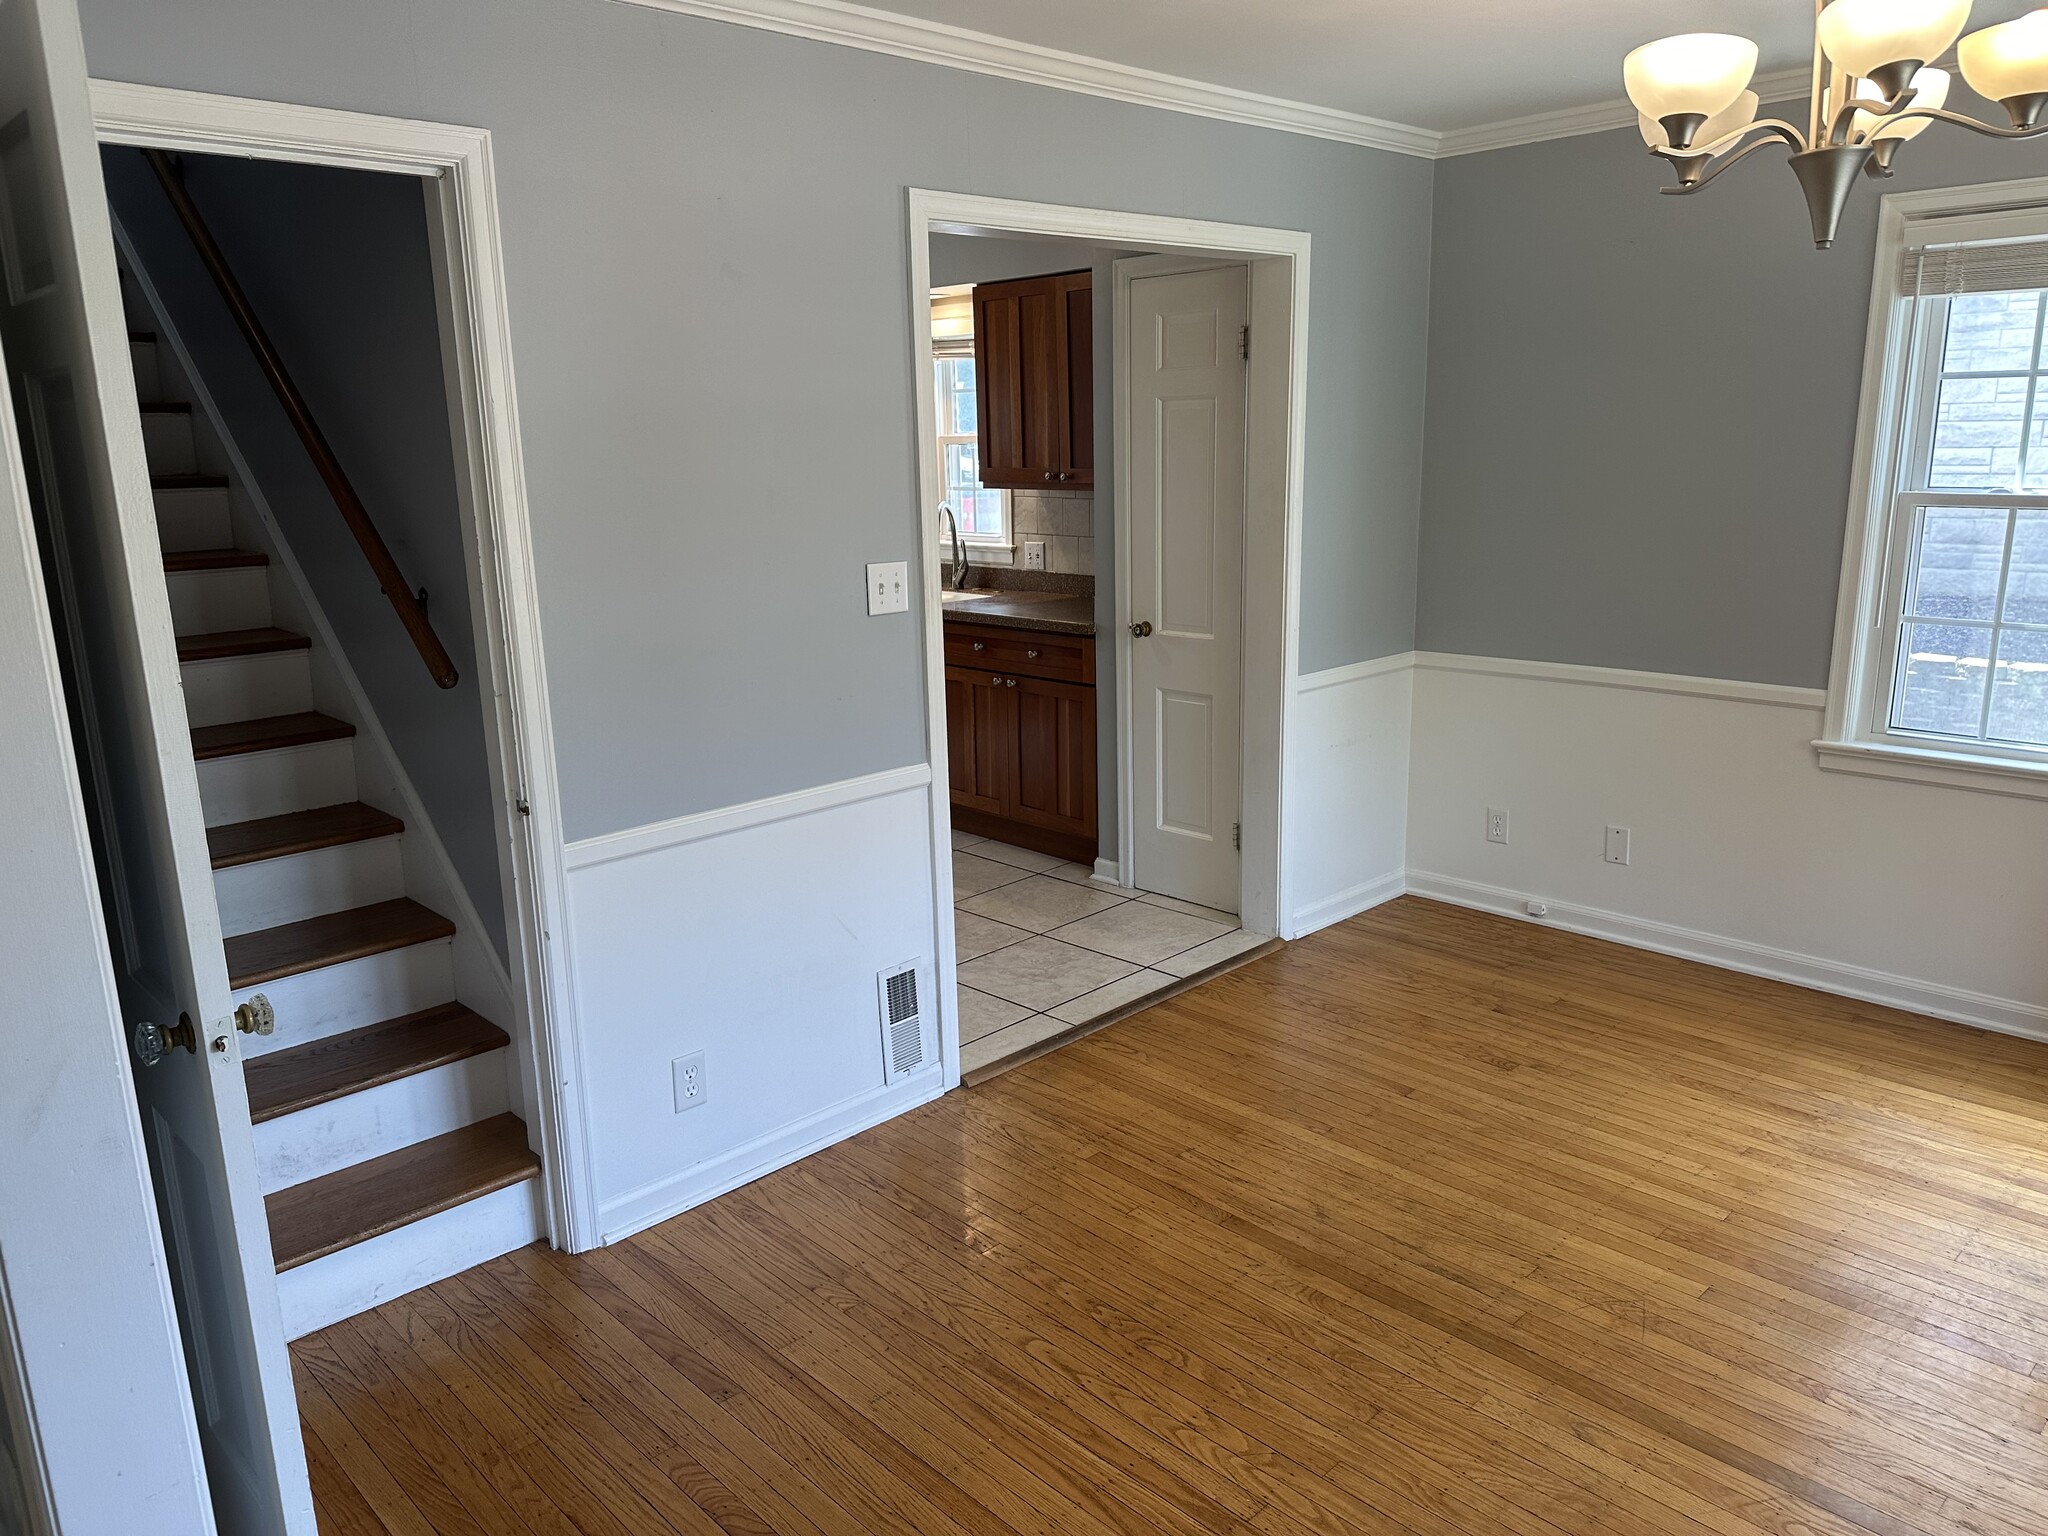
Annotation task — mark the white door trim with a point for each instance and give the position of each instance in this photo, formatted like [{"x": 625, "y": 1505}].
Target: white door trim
[
  {"x": 457, "y": 163},
  {"x": 1276, "y": 452}
]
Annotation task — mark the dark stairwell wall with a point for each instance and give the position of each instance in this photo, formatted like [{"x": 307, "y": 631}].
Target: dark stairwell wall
[{"x": 336, "y": 264}]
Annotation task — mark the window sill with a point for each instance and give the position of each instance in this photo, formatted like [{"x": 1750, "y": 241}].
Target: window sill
[
  {"x": 982, "y": 554},
  {"x": 1935, "y": 765}
]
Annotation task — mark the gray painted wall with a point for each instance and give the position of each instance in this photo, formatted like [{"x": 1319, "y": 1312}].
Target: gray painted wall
[
  {"x": 1642, "y": 408},
  {"x": 705, "y": 246},
  {"x": 337, "y": 266}
]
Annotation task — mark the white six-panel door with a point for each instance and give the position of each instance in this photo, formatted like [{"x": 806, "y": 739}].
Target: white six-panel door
[
  {"x": 66, "y": 344},
  {"x": 1186, "y": 458}
]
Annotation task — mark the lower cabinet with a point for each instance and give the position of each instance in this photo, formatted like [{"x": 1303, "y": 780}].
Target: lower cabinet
[{"x": 1022, "y": 759}]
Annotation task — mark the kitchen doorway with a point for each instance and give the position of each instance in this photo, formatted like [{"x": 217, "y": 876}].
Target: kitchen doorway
[{"x": 1054, "y": 698}]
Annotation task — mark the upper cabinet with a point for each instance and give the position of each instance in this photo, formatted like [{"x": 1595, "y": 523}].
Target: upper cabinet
[{"x": 1034, "y": 373}]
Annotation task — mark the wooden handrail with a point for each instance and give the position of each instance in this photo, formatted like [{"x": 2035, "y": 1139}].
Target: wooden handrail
[{"x": 412, "y": 612}]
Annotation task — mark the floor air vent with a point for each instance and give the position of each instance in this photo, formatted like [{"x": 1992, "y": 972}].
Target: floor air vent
[{"x": 903, "y": 1049}]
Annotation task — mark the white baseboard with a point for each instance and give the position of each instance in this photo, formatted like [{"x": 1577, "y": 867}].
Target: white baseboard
[
  {"x": 2004, "y": 1015},
  {"x": 1109, "y": 872},
  {"x": 1360, "y": 898},
  {"x": 641, "y": 1208},
  {"x": 370, "y": 1273}
]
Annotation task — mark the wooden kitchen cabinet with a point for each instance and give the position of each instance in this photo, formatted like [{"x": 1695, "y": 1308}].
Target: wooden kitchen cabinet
[
  {"x": 1022, "y": 747},
  {"x": 1034, "y": 381}
]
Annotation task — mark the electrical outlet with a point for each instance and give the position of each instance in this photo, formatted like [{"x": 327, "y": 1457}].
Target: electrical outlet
[
  {"x": 1496, "y": 825},
  {"x": 889, "y": 587},
  {"x": 1617, "y": 845},
  {"x": 1034, "y": 554},
  {"x": 692, "y": 1089}
]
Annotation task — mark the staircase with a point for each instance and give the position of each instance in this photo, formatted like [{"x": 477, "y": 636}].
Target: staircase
[{"x": 386, "y": 1148}]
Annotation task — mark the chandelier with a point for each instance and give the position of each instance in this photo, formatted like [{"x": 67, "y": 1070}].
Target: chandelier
[{"x": 1873, "y": 89}]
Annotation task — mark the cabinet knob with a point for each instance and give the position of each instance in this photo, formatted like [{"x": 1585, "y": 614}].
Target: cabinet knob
[
  {"x": 995, "y": 682},
  {"x": 979, "y": 646},
  {"x": 1048, "y": 474},
  {"x": 1009, "y": 682},
  {"x": 1032, "y": 654},
  {"x": 1065, "y": 476}
]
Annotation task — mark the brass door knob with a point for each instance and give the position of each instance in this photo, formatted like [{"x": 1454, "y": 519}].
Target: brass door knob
[
  {"x": 256, "y": 1016},
  {"x": 152, "y": 1042},
  {"x": 1141, "y": 629}
]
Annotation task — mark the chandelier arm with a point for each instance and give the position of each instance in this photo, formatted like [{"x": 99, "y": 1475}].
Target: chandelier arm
[
  {"x": 1989, "y": 130},
  {"x": 1776, "y": 128},
  {"x": 1686, "y": 189}
]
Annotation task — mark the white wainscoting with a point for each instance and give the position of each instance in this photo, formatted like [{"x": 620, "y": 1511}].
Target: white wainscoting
[
  {"x": 1744, "y": 853},
  {"x": 753, "y": 934},
  {"x": 1347, "y": 809}
]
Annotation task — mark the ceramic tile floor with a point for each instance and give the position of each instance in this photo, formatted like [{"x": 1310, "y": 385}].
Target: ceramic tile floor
[{"x": 1042, "y": 947}]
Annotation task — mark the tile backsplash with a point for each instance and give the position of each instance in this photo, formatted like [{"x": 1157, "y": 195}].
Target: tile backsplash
[{"x": 1065, "y": 520}]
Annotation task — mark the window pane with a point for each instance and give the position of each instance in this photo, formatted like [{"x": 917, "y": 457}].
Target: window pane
[
  {"x": 1990, "y": 332},
  {"x": 1956, "y": 566},
  {"x": 2019, "y": 689},
  {"x": 2026, "y": 589},
  {"x": 1977, "y": 434},
  {"x": 1943, "y": 672}
]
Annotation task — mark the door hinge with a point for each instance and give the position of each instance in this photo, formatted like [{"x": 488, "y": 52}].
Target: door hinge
[
  {"x": 1237, "y": 835},
  {"x": 1244, "y": 341}
]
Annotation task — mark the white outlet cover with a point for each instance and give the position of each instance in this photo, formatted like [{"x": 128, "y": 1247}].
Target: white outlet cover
[
  {"x": 691, "y": 1087},
  {"x": 889, "y": 587},
  {"x": 1496, "y": 825},
  {"x": 1617, "y": 845}
]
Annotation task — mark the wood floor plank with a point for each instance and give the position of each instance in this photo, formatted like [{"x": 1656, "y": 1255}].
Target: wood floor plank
[{"x": 1432, "y": 1224}]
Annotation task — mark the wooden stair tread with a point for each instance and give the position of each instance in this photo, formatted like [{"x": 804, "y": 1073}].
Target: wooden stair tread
[
  {"x": 321, "y": 1070},
  {"x": 338, "y": 1210},
  {"x": 188, "y": 482},
  {"x": 275, "y": 837},
  {"x": 224, "y": 643},
  {"x": 331, "y": 938},
  {"x": 212, "y": 559},
  {"x": 267, "y": 734}
]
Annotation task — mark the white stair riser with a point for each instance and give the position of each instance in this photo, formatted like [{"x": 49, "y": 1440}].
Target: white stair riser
[
  {"x": 360, "y": 1126},
  {"x": 256, "y": 784},
  {"x": 273, "y": 891},
  {"x": 196, "y": 519},
  {"x": 369, "y": 1273},
  {"x": 167, "y": 441},
  {"x": 148, "y": 382},
  {"x": 206, "y": 602},
  {"x": 247, "y": 687},
  {"x": 354, "y": 995}
]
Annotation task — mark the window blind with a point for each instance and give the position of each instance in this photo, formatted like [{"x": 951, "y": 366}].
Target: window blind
[{"x": 2004, "y": 267}]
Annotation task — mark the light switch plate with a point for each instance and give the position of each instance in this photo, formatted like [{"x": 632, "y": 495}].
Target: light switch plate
[
  {"x": 889, "y": 587},
  {"x": 1034, "y": 554}
]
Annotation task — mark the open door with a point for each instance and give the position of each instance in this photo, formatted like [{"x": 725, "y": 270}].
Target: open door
[{"x": 66, "y": 347}]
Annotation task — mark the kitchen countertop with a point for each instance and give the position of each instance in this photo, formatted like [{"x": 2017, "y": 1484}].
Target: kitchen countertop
[{"x": 1056, "y": 613}]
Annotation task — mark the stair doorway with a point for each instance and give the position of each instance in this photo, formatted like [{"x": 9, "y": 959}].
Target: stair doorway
[{"x": 341, "y": 1011}]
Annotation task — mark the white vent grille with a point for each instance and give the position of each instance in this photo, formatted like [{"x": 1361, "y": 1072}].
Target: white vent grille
[{"x": 902, "y": 1022}]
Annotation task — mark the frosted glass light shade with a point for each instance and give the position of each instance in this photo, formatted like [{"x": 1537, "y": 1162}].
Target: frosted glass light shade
[
  {"x": 1930, "y": 89},
  {"x": 1699, "y": 72},
  {"x": 2009, "y": 60},
  {"x": 1864, "y": 35},
  {"x": 1722, "y": 123}
]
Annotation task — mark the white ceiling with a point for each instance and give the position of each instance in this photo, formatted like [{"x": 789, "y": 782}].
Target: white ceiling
[{"x": 1436, "y": 64}]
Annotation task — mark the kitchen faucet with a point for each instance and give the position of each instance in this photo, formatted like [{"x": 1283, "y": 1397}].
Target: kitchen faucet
[{"x": 960, "y": 562}]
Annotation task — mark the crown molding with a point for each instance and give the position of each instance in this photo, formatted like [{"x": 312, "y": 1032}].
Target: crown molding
[
  {"x": 930, "y": 42},
  {"x": 1571, "y": 122}
]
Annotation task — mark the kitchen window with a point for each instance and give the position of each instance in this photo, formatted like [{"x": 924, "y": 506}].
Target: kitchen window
[
  {"x": 1946, "y": 674},
  {"x": 984, "y": 514}
]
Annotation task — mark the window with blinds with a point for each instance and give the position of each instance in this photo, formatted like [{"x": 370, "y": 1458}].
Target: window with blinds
[
  {"x": 983, "y": 514},
  {"x": 1967, "y": 574}
]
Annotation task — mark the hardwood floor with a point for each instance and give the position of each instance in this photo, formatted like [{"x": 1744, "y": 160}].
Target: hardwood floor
[{"x": 1429, "y": 1223}]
